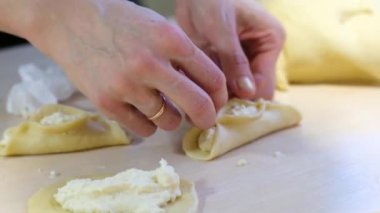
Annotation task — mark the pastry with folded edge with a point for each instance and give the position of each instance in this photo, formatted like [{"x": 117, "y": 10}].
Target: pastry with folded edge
[
  {"x": 58, "y": 129},
  {"x": 239, "y": 122},
  {"x": 156, "y": 191}
]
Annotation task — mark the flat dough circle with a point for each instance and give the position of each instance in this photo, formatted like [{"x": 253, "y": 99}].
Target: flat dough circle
[{"x": 43, "y": 200}]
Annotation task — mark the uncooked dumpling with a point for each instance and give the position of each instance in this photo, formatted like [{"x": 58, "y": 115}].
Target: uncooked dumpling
[
  {"x": 57, "y": 129},
  {"x": 238, "y": 122},
  {"x": 328, "y": 41},
  {"x": 131, "y": 191}
]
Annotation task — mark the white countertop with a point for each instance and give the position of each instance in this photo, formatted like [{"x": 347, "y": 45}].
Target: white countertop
[{"x": 331, "y": 163}]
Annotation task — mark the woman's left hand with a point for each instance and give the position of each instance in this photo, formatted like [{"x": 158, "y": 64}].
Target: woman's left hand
[{"x": 241, "y": 37}]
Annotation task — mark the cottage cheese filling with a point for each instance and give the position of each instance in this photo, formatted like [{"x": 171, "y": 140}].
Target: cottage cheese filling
[{"x": 131, "y": 191}]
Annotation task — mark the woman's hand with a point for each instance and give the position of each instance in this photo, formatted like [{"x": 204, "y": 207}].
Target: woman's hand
[
  {"x": 124, "y": 57},
  {"x": 241, "y": 37}
]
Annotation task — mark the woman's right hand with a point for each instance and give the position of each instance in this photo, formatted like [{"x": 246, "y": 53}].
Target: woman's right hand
[{"x": 123, "y": 57}]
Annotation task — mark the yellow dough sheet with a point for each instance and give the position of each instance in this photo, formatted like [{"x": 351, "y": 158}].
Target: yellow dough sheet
[
  {"x": 81, "y": 130},
  {"x": 239, "y": 122}
]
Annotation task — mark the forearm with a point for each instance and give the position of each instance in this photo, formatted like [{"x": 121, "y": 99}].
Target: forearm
[
  {"x": 18, "y": 16},
  {"x": 31, "y": 18}
]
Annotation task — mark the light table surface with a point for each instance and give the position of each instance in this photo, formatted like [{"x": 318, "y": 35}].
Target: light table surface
[{"x": 330, "y": 163}]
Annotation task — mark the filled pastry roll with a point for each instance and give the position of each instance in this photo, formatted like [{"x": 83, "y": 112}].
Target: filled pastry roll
[
  {"x": 238, "y": 122},
  {"x": 57, "y": 129}
]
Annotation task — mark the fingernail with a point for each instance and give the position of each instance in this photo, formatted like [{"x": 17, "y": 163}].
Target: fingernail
[{"x": 246, "y": 84}]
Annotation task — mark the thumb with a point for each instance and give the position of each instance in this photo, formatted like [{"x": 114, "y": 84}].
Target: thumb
[{"x": 236, "y": 67}]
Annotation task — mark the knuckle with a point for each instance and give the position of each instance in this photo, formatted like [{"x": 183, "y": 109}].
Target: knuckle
[
  {"x": 239, "y": 59},
  {"x": 132, "y": 121},
  {"x": 118, "y": 87},
  {"x": 169, "y": 30},
  {"x": 170, "y": 123},
  {"x": 218, "y": 82},
  {"x": 281, "y": 32},
  {"x": 174, "y": 83},
  {"x": 141, "y": 62},
  {"x": 146, "y": 132},
  {"x": 104, "y": 102},
  {"x": 173, "y": 125},
  {"x": 149, "y": 105},
  {"x": 278, "y": 35},
  {"x": 176, "y": 41},
  {"x": 202, "y": 107}
]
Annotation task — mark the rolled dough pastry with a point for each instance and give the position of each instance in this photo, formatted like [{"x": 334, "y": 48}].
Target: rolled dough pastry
[
  {"x": 238, "y": 122},
  {"x": 107, "y": 191},
  {"x": 57, "y": 129},
  {"x": 328, "y": 41}
]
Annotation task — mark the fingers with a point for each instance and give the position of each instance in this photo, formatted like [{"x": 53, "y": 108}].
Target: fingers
[
  {"x": 203, "y": 71},
  {"x": 183, "y": 54},
  {"x": 132, "y": 104},
  {"x": 135, "y": 118},
  {"x": 183, "y": 17},
  {"x": 187, "y": 95},
  {"x": 236, "y": 67},
  {"x": 146, "y": 101},
  {"x": 263, "y": 66},
  {"x": 149, "y": 102},
  {"x": 263, "y": 50},
  {"x": 126, "y": 115},
  {"x": 224, "y": 39}
]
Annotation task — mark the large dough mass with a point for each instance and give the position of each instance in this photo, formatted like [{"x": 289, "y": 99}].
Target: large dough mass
[{"x": 330, "y": 41}]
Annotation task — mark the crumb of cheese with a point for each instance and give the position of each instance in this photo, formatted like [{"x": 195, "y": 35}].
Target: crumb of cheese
[
  {"x": 241, "y": 162},
  {"x": 278, "y": 154},
  {"x": 54, "y": 174}
]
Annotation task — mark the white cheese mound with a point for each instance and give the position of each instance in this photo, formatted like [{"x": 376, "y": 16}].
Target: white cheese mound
[
  {"x": 58, "y": 118},
  {"x": 131, "y": 191},
  {"x": 241, "y": 110}
]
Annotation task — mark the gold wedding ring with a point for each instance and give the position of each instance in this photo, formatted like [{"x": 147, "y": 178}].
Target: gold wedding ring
[{"x": 160, "y": 111}]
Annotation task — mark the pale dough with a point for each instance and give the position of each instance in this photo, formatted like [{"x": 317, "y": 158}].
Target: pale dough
[
  {"x": 43, "y": 200},
  {"x": 328, "y": 41},
  {"x": 79, "y": 131},
  {"x": 235, "y": 128}
]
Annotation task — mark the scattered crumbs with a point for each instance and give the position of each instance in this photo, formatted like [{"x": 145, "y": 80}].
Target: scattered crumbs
[
  {"x": 54, "y": 174},
  {"x": 278, "y": 154},
  {"x": 241, "y": 162}
]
